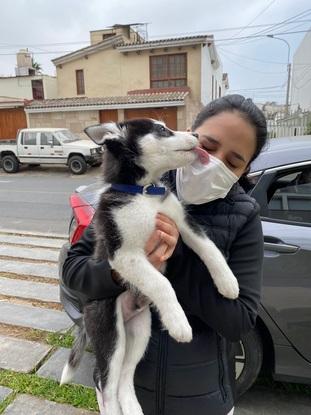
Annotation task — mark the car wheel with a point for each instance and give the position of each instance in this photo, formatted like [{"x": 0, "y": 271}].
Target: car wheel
[
  {"x": 77, "y": 165},
  {"x": 10, "y": 164},
  {"x": 248, "y": 361}
]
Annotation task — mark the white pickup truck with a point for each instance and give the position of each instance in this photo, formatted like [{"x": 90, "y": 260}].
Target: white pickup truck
[{"x": 35, "y": 146}]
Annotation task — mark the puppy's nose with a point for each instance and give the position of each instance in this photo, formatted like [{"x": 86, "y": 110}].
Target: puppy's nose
[{"x": 195, "y": 135}]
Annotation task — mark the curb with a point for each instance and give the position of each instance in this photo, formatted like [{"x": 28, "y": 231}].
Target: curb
[{"x": 33, "y": 233}]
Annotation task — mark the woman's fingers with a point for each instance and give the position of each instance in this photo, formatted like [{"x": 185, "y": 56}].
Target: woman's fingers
[
  {"x": 156, "y": 257},
  {"x": 162, "y": 242},
  {"x": 166, "y": 225},
  {"x": 153, "y": 242}
]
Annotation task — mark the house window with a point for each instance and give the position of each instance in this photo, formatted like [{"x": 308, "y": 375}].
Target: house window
[
  {"x": 80, "y": 82},
  {"x": 168, "y": 70},
  {"x": 37, "y": 89}
]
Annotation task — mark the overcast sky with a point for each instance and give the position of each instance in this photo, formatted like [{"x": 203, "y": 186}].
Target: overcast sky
[{"x": 256, "y": 63}]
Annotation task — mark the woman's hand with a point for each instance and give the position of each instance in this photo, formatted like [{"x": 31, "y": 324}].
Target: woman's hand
[{"x": 162, "y": 241}]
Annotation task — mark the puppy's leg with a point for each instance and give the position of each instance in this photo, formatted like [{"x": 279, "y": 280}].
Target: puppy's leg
[
  {"x": 151, "y": 283},
  {"x": 105, "y": 327},
  {"x": 138, "y": 331},
  {"x": 222, "y": 275}
]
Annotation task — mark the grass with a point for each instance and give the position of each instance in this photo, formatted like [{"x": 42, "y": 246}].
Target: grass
[
  {"x": 6, "y": 402},
  {"x": 60, "y": 339},
  {"x": 75, "y": 395},
  {"x": 53, "y": 339}
]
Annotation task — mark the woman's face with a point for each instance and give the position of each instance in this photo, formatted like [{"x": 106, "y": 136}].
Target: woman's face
[{"x": 230, "y": 138}]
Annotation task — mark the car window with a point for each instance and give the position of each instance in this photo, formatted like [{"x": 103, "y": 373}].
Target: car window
[
  {"x": 29, "y": 138},
  {"x": 48, "y": 138},
  {"x": 290, "y": 197},
  {"x": 55, "y": 141}
]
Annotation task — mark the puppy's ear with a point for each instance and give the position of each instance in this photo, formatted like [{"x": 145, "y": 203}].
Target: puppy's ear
[{"x": 99, "y": 133}]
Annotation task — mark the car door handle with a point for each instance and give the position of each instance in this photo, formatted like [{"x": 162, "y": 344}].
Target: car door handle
[
  {"x": 42, "y": 148},
  {"x": 25, "y": 147},
  {"x": 276, "y": 245}
]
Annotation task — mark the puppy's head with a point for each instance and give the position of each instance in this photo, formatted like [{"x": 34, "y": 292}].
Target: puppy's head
[{"x": 141, "y": 150}]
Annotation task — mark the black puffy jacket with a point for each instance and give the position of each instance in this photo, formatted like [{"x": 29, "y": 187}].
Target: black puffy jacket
[{"x": 198, "y": 378}]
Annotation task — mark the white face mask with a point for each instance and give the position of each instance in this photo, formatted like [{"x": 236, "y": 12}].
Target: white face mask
[{"x": 200, "y": 183}]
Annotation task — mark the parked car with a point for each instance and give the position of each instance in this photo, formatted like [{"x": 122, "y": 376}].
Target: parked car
[
  {"x": 35, "y": 146},
  {"x": 280, "y": 343}
]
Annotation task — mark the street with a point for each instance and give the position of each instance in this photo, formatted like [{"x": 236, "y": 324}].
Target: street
[{"x": 37, "y": 199}]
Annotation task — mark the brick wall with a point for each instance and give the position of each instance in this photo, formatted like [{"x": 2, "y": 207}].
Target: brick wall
[{"x": 75, "y": 121}]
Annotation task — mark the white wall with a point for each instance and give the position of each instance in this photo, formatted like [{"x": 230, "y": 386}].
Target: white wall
[
  {"x": 20, "y": 86},
  {"x": 301, "y": 76},
  {"x": 210, "y": 75}
]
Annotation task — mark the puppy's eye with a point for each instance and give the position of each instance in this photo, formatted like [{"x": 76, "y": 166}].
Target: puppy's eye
[{"x": 162, "y": 129}]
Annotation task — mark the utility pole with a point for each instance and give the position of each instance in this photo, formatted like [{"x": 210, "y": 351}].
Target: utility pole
[{"x": 289, "y": 68}]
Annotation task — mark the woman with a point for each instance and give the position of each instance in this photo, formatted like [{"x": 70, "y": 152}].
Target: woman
[{"x": 174, "y": 378}]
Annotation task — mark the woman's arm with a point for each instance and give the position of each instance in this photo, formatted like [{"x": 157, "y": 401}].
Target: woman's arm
[
  {"x": 199, "y": 296},
  {"x": 96, "y": 279},
  {"x": 82, "y": 273}
]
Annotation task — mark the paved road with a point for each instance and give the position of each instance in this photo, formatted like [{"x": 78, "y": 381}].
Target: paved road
[{"x": 37, "y": 199}]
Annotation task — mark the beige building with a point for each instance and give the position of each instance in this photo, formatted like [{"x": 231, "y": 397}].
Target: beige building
[
  {"x": 28, "y": 83},
  {"x": 121, "y": 75}
]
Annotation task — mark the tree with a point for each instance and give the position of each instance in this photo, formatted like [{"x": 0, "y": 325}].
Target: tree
[{"x": 37, "y": 66}]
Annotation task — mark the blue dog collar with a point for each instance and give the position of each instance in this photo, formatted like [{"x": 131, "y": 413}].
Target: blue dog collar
[{"x": 148, "y": 189}]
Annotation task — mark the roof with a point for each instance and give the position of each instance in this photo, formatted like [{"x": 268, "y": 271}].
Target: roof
[
  {"x": 283, "y": 151},
  {"x": 44, "y": 129},
  {"x": 185, "y": 40},
  {"x": 11, "y": 102},
  {"x": 122, "y": 46},
  {"x": 128, "y": 101}
]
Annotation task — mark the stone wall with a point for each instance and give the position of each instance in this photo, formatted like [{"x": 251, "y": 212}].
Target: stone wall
[
  {"x": 191, "y": 110},
  {"x": 75, "y": 121}
]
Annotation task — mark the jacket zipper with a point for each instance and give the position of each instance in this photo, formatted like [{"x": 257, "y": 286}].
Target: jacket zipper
[
  {"x": 161, "y": 373},
  {"x": 221, "y": 368}
]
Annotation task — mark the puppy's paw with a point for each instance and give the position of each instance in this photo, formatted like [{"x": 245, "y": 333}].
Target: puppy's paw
[
  {"x": 228, "y": 286},
  {"x": 178, "y": 327}
]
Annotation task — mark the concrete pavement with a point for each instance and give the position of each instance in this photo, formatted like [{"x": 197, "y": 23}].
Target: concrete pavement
[{"x": 25, "y": 356}]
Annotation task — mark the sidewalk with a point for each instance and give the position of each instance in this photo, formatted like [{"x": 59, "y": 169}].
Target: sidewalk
[
  {"x": 29, "y": 310},
  {"x": 29, "y": 303}
]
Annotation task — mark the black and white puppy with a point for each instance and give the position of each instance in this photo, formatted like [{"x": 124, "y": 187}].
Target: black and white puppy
[{"x": 137, "y": 153}]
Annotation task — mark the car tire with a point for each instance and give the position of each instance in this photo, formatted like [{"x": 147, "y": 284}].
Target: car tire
[
  {"x": 10, "y": 164},
  {"x": 77, "y": 165},
  {"x": 248, "y": 361}
]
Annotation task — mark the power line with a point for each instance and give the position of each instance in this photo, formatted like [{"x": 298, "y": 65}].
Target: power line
[
  {"x": 250, "y": 69},
  {"x": 251, "y": 59},
  {"x": 290, "y": 20},
  {"x": 9, "y": 45},
  {"x": 256, "y": 17},
  {"x": 227, "y": 29},
  {"x": 212, "y": 40},
  {"x": 294, "y": 19},
  {"x": 260, "y": 88},
  {"x": 261, "y": 36}
]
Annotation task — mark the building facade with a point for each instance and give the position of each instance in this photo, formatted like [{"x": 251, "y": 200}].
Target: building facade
[
  {"x": 121, "y": 75},
  {"x": 301, "y": 76}
]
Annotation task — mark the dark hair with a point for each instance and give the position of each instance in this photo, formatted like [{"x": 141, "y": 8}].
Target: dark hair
[{"x": 246, "y": 109}]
